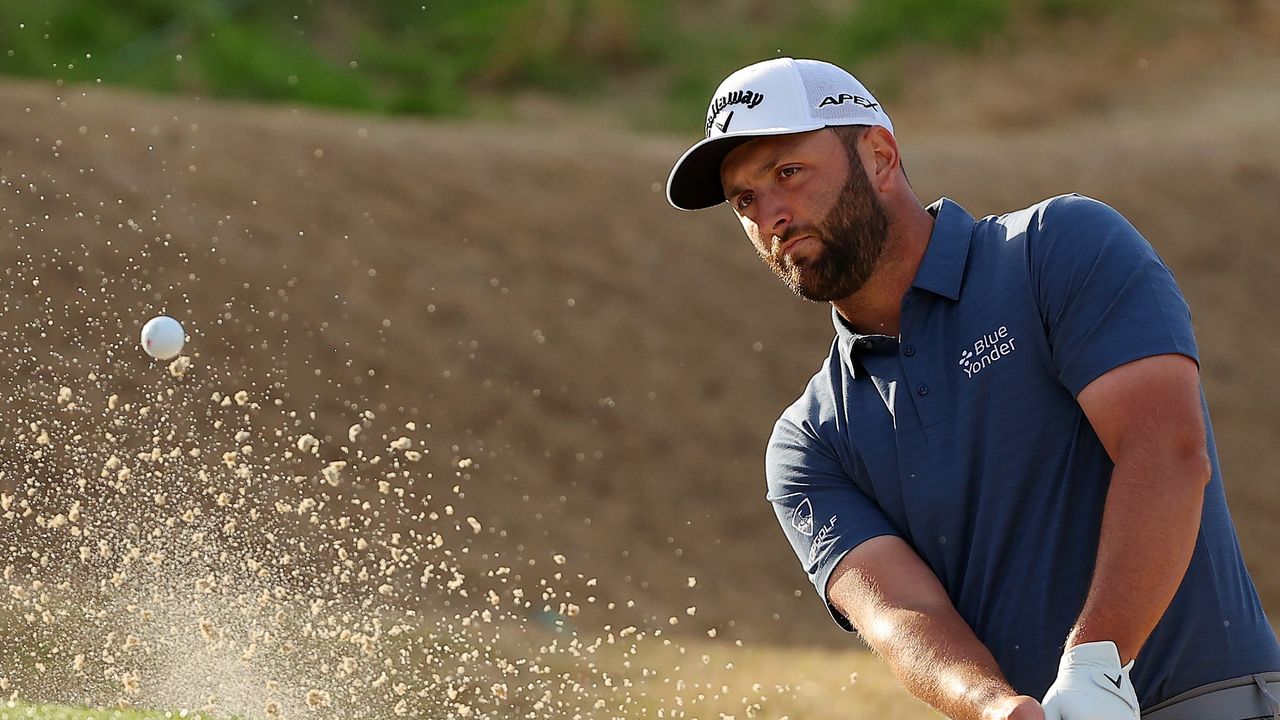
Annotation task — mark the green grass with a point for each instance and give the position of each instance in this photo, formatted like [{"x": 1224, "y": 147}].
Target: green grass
[
  {"x": 442, "y": 57},
  {"x": 19, "y": 711}
]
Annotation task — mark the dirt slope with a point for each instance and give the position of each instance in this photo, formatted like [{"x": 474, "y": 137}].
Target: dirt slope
[{"x": 613, "y": 366}]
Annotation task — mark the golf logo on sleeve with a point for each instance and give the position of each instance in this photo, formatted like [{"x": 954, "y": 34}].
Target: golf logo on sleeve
[
  {"x": 802, "y": 519},
  {"x": 820, "y": 543}
]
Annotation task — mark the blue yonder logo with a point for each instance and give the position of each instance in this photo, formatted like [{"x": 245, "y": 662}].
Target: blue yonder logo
[{"x": 986, "y": 350}]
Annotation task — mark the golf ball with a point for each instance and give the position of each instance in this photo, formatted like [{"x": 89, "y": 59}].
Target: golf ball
[{"x": 162, "y": 337}]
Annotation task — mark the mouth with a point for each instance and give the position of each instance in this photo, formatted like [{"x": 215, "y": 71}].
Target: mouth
[{"x": 785, "y": 249}]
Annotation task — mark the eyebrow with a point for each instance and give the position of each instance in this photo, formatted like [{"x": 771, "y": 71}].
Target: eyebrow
[{"x": 765, "y": 168}]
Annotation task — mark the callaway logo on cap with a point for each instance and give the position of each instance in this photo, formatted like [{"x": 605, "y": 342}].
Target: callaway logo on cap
[{"x": 774, "y": 97}]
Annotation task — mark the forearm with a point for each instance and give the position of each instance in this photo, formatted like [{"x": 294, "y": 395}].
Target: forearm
[
  {"x": 1149, "y": 529},
  {"x": 905, "y": 615},
  {"x": 937, "y": 657}
]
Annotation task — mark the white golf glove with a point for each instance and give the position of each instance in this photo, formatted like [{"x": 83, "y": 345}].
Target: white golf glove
[{"x": 1092, "y": 685}]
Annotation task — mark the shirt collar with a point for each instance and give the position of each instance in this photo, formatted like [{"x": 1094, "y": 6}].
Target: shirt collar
[
  {"x": 853, "y": 345},
  {"x": 941, "y": 270}
]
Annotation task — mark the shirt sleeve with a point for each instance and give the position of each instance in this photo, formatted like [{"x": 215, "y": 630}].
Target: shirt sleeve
[
  {"x": 823, "y": 513},
  {"x": 1105, "y": 296}
]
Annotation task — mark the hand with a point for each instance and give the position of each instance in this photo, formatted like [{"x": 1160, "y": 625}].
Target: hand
[
  {"x": 1018, "y": 707},
  {"x": 1092, "y": 685}
]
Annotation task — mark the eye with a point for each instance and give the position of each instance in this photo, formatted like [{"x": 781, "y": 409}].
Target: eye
[
  {"x": 788, "y": 171},
  {"x": 743, "y": 201}
]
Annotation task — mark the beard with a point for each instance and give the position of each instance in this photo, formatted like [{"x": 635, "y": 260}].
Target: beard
[{"x": 852, "y": 237}]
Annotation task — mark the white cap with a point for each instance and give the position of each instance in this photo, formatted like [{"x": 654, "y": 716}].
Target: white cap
[{"x": 775, "y": 97}]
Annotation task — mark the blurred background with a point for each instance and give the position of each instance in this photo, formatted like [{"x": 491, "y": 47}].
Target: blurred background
[{"x": 451, "y": 213}]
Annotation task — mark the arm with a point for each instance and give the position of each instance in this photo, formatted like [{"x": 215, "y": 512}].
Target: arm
[
  {"x": 903, "y": 612},
  {"x": 1148, "y": 416}
]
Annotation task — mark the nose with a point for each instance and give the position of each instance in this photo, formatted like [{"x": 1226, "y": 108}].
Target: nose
[{"x": 775, "y": 215}]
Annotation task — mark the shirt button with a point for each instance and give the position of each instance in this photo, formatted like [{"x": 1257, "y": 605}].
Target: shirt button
[
  {"x": 909, "y": 350},
  {"x": 863, "y": 344},
  {"x": 922, "y": 390}
]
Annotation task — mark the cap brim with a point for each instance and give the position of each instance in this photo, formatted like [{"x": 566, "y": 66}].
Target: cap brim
[{"x": 694, "y": 183}]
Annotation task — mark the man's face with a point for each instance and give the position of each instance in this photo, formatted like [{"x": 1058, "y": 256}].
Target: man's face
[{"x": 810, "y": 211}]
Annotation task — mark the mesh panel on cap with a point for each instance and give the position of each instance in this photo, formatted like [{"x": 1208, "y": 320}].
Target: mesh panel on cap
[{"x": 822, "y": 81}]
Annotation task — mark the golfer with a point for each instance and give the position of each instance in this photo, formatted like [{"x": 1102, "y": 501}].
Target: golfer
[{"x": 1003, "y": 476}]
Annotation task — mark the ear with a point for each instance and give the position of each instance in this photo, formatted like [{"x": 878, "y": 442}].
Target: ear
[{"x": 880, "y": 157}]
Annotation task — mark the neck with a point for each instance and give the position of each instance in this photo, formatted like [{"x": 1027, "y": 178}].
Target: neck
[{"x": 877, "y": 307}]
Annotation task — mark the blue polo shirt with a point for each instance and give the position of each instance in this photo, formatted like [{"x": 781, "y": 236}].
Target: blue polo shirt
[{"x": 962, "y": 436}]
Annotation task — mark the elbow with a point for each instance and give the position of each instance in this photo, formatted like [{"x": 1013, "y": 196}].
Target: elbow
[
  {"x": 1190, "y": 464},
  {"x": 1200, "y": 469},
  {"x": 1170, "y": 464}
]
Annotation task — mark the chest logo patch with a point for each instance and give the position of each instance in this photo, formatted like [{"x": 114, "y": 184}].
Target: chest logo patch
[
  {"x": 987, "y": 350},
  {"x": 802, "y": 519}
]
